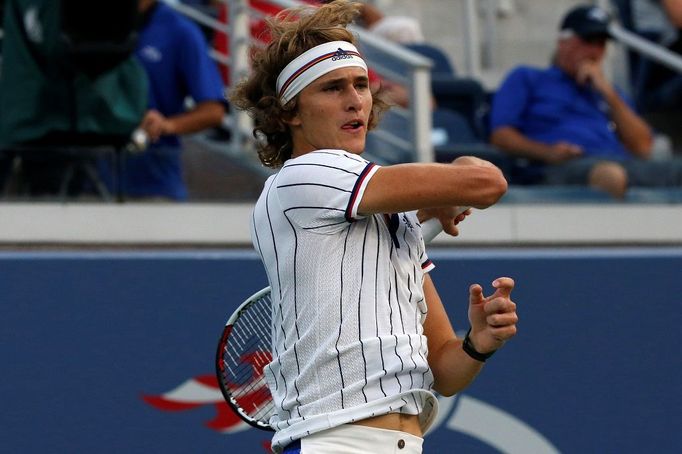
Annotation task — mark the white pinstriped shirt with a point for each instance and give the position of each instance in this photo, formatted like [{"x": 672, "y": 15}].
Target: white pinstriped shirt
[{"x": 348, "y": 303}]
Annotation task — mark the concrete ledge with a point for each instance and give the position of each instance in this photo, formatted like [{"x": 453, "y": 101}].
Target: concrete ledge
[
  {"x": 611, "y": 224},
  {"x": 130, "y": 223},
  {"x": 227, "y": 225}
]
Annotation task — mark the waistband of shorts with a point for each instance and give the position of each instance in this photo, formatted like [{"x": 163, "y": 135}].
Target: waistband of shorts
[{"x": 295, "y": 446}]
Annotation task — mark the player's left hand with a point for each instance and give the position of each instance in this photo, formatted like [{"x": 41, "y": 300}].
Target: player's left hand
[{"x": 493, "y": 319}]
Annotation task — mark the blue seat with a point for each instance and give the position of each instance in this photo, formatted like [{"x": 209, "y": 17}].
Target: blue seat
[
  {"x": 464, "y": 95},
  {"x": 451, "y": 127},
  {"x": 441, "y": 63},
  {"x": 454, "y": 137}
]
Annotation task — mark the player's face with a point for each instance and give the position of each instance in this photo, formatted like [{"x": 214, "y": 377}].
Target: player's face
[{"x": 333, "y": 112}]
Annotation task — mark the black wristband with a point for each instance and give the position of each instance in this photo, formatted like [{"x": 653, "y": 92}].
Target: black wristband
[{"x": 469, "y": 349}]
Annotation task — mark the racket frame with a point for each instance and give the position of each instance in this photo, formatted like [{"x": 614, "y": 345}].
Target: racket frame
[{"x": 220, "y": 364}]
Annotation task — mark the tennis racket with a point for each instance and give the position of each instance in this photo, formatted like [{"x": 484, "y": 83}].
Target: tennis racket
[{"x": 245, "y": 349}]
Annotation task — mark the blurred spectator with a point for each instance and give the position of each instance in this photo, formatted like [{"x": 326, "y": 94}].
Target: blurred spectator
[
  {"x": 657, "y": 87},
  {"x": 369, "y": 16},
  {"x": 399, "y": 29},
  {"x": 573, "y": 125},
  {"x": 67, "y": 86},
  {"x": 174, "y": 52}
]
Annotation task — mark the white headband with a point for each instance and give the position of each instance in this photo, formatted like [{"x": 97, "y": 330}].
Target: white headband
[{"x": 315, "y": 63}]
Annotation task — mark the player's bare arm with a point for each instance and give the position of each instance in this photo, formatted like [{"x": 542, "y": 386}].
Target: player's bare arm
[
  {"x": 493, "y": 321},
  {"x": 408, "y": 187}
]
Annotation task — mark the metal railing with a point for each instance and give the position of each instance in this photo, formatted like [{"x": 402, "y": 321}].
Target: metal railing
[
  {"x": 478, "y": 53},
  {"x": 646, "y": 48},
  {"x": 389, "y": 60},
  {"x": 207, "y": 21}
]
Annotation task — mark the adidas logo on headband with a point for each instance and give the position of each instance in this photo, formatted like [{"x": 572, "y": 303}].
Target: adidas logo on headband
[{"x": 341, "y": 54}]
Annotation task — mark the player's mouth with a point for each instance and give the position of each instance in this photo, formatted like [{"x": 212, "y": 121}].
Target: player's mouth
[{"x": 353, "y": 126}]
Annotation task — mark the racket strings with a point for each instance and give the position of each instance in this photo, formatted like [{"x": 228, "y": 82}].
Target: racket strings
[{"x": 246, "y": 352}]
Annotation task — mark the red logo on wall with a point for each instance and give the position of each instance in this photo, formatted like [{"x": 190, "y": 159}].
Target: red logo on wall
[{"x": 197, "y": 392}]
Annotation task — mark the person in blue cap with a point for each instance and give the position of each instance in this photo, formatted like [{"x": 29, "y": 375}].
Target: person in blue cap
[{"x": 570, "y": 122}]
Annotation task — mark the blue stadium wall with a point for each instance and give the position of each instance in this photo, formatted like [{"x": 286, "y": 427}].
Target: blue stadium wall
[{"x": 113, "y": 352}]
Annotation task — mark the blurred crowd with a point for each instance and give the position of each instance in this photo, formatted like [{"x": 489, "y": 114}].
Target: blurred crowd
[{"x": 99, "y": 107}]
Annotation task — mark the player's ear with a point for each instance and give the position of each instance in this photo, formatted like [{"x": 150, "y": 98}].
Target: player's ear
[
  {"x": 289, "y": 113},
  {"x": 292, "y": 118}
]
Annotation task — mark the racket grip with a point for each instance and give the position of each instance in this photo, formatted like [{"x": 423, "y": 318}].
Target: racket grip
[{"x": 431, "y": 228}]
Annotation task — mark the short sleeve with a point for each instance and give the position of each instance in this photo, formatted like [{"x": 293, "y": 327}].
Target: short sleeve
[
  {"x": 427, "y": 264},
  {"x": 321, "y": 191}
]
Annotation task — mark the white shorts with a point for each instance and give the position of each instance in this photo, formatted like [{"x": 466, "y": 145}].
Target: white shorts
[{"x": 356, "y": 439}]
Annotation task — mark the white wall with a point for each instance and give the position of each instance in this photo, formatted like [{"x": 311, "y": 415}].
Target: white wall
[{"x": 226, "y": 225}]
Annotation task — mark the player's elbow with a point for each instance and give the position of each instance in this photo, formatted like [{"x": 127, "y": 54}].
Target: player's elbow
[
  {"x": 482, "y": 184},
  {"x": 493, "y": 187},
  {"x": 499, "y": 186}
]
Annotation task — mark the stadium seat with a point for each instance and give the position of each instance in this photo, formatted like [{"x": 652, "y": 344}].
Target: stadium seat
[
  {"x": 453, "y": 137},
  {"x": 464, "y": 95},
  {"x": 441, "y": 63},
  {"x": 451, "y": 127}
]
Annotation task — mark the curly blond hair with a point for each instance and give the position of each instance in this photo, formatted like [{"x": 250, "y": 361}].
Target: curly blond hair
[{"x": 293, "y": 31}]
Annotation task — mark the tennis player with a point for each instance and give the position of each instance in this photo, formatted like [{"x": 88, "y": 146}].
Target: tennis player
[{"x": 360, "y": 336}]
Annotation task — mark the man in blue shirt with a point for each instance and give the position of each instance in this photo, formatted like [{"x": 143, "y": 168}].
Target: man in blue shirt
[
  {"x": 174, "y": 53},
  {"x": 571, "y": 123}
]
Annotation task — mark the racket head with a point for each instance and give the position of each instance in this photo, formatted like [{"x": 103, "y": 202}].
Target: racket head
[{"x": 243, "y": 351}]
